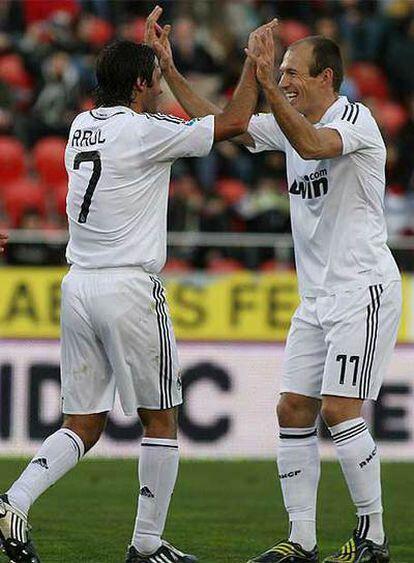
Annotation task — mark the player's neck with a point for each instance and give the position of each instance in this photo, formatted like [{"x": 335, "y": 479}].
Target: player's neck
[
  {"x": 137, "y": 105},
  {"x": 317, "y": 112}
]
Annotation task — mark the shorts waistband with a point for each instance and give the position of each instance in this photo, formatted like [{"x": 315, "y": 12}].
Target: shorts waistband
[{"x": 114, "y": 270}]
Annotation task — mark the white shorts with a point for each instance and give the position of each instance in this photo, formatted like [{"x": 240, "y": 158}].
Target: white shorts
[
  {"x": 116, "y": 334},
  {"x": 342, "y": 344}
]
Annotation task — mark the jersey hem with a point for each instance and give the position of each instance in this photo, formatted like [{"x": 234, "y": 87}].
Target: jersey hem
[{"x": 350, "y": 287}]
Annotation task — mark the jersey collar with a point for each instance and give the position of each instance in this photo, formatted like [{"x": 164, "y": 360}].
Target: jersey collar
[
  {"x": 108, "y": 111},
  {"x": 333, "y": 109}
]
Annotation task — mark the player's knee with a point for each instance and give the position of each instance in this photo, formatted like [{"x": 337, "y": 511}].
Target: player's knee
[
  {"x": 287, "y": 410},
  {"x": 88, "y": 427},
  {"x": 297, "y": 411},
  {"x": 339, "y": 409},
  {"x": 159, "y": 424}
]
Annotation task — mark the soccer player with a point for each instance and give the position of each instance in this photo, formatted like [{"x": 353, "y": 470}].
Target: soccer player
[
  {"x": 115, "y": 325},
  {"x": 343, "y": 333}
]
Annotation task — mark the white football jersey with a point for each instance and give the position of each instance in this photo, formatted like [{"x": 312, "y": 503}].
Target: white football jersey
[
  {"x": 119, "y": 163},
  {"x": 337, "y": 204}
]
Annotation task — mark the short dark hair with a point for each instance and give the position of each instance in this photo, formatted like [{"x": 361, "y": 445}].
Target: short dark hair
[
  {"x": 118, "y": 66},
  {"x": 326, "y": 54}
]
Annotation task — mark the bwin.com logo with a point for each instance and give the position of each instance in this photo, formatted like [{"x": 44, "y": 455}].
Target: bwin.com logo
[{"x": 312, "y": 186}]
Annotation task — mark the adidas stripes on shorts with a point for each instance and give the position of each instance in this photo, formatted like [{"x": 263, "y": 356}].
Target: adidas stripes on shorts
[
  {"x": 342, "y": 344},
  {"x": 116, "y": 334}
]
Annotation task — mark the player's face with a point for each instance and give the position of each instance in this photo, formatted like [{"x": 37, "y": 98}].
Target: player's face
[
  {"x": 151, "y": 94},
  {"x": 301, "y": 89}
]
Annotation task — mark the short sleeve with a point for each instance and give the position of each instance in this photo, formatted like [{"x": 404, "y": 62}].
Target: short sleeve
[
  {"x": 168, "y": 137},
  {"x": 266, "y": 133},
  {"x": 357, "y": 128}
]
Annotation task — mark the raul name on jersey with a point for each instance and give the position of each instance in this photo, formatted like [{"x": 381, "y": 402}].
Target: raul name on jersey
[
  {"x": 87, "y": 138},
  {"x": 311, "y": 186}
]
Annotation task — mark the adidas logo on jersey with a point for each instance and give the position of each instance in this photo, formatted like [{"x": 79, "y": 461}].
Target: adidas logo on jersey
[
  {"x": 42, "y": 461},
  {"x": 145, "y": 492},
  {"x": 312, "y": 185}
]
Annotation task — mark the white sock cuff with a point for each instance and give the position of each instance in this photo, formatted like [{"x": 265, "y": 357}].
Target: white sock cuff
[
  {"x": 75, "y": 440},
  {"x": 361, "y": 512},
  {"x": 297, "y": 436},
  {"x": 159, "y": 443},
  {"x": 348, "y": 431}
]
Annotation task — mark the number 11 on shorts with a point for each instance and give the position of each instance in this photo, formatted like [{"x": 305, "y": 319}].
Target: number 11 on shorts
[{"x": 343, "y": 359}]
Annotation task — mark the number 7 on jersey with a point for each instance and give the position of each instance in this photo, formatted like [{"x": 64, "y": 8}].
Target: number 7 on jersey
[{"x": 95, "y": 158}]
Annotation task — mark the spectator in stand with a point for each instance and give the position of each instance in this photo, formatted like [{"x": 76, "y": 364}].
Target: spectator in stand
[
  {"x": 185, "y": 204},
  {"x": 190, "y": 56},
  {"x": 56, "y": 104},
  {"x": 215, "y": 216},
  {"x": 405, "y": 168},
  {"x": 6, "y": 109},
  {"x": 399, "y": 54},
  {"x": 328, "y": 27},
  {"x": 363, "y": 29},
  {"x": 266, "y": 208}
]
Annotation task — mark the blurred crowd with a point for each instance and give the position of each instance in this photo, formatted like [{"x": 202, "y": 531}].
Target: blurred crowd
[{"x": 47, "y": 53}]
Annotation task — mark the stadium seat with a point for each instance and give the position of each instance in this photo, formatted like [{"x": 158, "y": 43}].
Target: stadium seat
[
  {"x": 48, "y": 155},
  {"x": 12, "y": 160},
  {"x": 22, "y": 195},
  {"x": 176, "y": 266},
  {"x": 231, "y": 190},
  {"x": 60, "y": 192},
  {"x": 138, "y": 27},
  {"x": 290, "y": 31},
  {"x": 96, "y": 31},
  {"x": 12, "y": 72},
  {"x": 43, "y": 10},
  {"x": 390, "y": 116},
  {"x": 221, "y": 265},
  {"x": 370, "y": 80}
]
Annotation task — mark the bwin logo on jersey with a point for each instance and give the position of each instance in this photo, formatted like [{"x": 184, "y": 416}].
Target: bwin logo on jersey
[{"x": 314, "y": 185}]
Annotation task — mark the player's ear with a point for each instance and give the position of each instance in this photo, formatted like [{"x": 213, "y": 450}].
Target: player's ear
[
  {"x": 140, "y": 84},
  {"x": 327, "y": 76}
]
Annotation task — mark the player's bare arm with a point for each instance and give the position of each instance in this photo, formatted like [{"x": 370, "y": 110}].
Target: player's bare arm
[
  {"x": 3, "y": 240},
  {"x": 309, "y": 142},
  {"x": 233, "y": 120}
]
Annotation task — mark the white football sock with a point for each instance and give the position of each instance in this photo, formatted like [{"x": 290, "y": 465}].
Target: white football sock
[
  {"x": 59, "y": 453},
  {"x": 360, "y": 462},
  {"x": 299, "y": 472},
  {"x": 157, "y": 468}
]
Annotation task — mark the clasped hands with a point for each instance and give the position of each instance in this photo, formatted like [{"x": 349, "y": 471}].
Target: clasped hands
[{"x": 260, "y": 49}]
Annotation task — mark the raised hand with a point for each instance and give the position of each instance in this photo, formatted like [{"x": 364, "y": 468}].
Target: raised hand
[
  {"x": 157, "y": 37},
  {"x": 152, "y": 27},
  {"x": 162, "y": 47},
  {"x": 269, "y": 25},
  {"x": 261, "y": 51}
]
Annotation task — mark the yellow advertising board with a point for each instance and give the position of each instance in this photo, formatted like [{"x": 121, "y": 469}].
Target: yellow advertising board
[{"x": 244, "y": 306}]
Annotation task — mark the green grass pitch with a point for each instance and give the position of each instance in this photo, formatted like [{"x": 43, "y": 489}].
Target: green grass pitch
[{"x": 224, "y": 512}]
